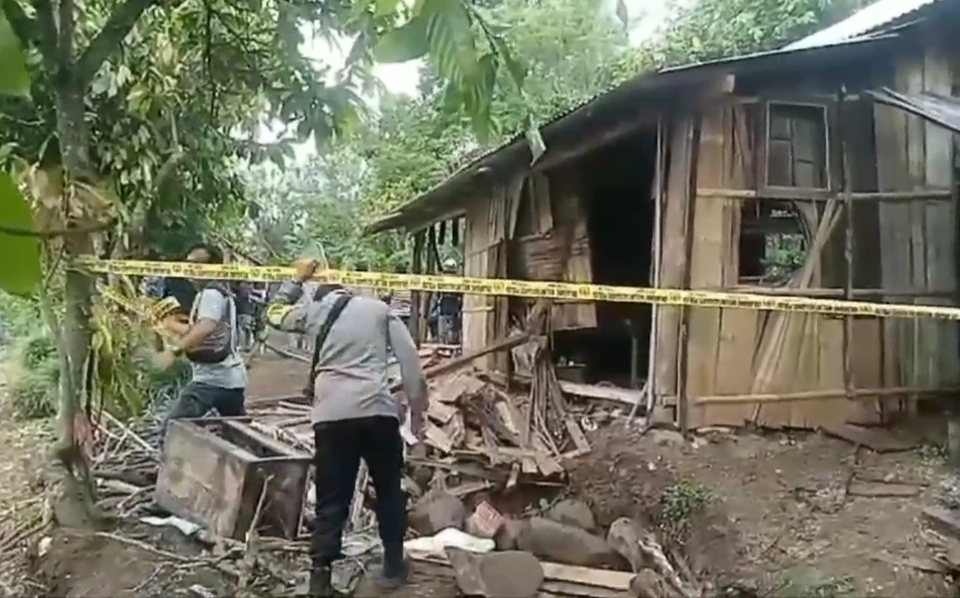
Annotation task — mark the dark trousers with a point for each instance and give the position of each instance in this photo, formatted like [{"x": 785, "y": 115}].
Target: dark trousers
[
  {"x": 196, "y": 399},
  {"x": 340, "y": 446}
]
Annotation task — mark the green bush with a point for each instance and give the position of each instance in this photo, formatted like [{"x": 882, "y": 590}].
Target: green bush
[
  {"x": 18, "y": 318},
  {"x": 34, "y": 378}
]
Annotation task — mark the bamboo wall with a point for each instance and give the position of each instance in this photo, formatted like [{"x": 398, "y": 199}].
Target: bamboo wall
[
  {"x": 486, "y": 224},
  {"x": 531, "y": 228},
  {"x": 919, "y": 353}
]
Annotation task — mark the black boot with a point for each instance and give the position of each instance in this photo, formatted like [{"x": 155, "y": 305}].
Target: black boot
[
  {"x": 395, "y": 569},
  {"x": 321, "y": 583}
]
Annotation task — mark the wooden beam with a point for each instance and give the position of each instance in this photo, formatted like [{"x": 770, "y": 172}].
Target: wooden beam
[
  {"x": 818, "y": 395},
  {"x": 785, "y": 194},
  {"x": 683, "y": 341},
  {"x": 416, "y": 311}
]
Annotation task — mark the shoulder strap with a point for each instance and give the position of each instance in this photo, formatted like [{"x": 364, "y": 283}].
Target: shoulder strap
[{"x": 335, "y": 310}]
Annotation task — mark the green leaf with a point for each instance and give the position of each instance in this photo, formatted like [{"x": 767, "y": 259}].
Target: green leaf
[
  {"x": 451, "y": 40},
  {"x": 516, "y": 69},
  {"x": 357, "y": 50},
  {"x": 20, "y": 273},
  {"x": 14, "y": 79},
  {"x": 404, "y": 43},
  {"x": 383, "y": 8}
]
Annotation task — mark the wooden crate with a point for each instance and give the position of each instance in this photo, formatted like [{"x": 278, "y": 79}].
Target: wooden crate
[{"x": 213, "y": 472}]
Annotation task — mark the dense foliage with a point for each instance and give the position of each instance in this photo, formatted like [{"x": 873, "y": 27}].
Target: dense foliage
[
  {"x": 571, "y": 50},
  {"x": 131, "y": 127}
]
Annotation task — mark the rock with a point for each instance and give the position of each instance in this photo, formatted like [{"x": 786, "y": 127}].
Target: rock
[
  {"x": 666, "y": 437},
  {"x": 624, "y": 537},
  {"x": 422, "y": 476},
  {"x": 436, "y": 512},
  {"x": 573, "y": 512},
  {"x": 947, "y": 491},
  {"x": 566, "y": 544},
  {"x": 506, "y": 536},
  {"x": 649, "y": 584},
  {"x": 496, "y": 574}
]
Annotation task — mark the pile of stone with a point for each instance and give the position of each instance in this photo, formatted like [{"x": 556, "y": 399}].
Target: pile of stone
[{"x": 560, "y": 551}]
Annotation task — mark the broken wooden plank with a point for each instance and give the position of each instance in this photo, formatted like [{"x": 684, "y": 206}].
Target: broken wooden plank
[
  {"x": 601, "y": 392},
  {"x": 458, "y": 362},
  {"x": 468, "y": 488},
  {"x": 945, "y": 521},
  {"x": 437, "y": 438},
  {"x": 920, "y": 564},
  {"x": 878, "y": 440},
  {"x": 879, "y": 489}
]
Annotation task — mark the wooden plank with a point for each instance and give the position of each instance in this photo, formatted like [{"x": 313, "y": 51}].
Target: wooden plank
[
  {"x": 945, "y": 521},
  {"x": 919, "y": 373},
  {"x": 673, "y": 258},
  {"x": 706, "y": 269},
  {"x": 890, "y": 141},
  {"x": 941, "y": 217},
  {"x": 878, "y": 440},
  {"x": 597, "y": 578},
  {"x": 738, "y": 327},
  {"x": 872, "y": 489}
]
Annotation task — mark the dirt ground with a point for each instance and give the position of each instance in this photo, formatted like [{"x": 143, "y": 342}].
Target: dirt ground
[
  {"x": 22, "y": 444},
  {"x": 270, "y": 376},
  {"x": 778, "y": 511},
  {"x": 774, "y": 512}
]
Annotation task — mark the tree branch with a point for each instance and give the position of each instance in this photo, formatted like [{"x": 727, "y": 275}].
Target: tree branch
[
  {"x": 47, "y": 35},
  {"x": 120, "y": 23},
  {"x": 51, "y": 234},
  {"x": 21, "y": 23}
]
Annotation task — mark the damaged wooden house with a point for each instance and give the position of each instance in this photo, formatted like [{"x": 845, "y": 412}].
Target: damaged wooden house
[{"x": 826, "y": 169}]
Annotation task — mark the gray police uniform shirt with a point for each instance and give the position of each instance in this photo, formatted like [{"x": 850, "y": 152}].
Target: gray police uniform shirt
[
  {"x": 211, "y": 304},
  {"x": 352, "y": 374}
]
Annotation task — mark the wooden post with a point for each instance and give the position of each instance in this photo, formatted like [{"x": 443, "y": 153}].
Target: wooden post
[
  {"x": 657, "y": 245},
  {"x": 847, "y": 186},
  {"x": 683, "y": 403},
  {"x": 433, "y": 265},
  {"x": 416, "y": 312}
]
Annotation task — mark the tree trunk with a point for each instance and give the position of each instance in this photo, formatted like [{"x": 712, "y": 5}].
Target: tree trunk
[{"x": 73, "y": 498}]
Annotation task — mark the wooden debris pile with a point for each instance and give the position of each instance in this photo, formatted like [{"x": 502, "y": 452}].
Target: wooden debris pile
[
  {"x": 473, "y": 419},
  {"x": 124, "y": 463}
]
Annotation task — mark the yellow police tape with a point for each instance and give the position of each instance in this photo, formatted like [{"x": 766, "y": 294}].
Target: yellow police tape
[{"x": 526, "y": 288}]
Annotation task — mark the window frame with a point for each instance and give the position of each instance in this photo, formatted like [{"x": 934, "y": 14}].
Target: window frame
[{"x": 830, "y": 121}]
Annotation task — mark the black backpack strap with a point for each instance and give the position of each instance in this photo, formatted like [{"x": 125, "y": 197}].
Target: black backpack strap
[{"x": 335, "y": 310}]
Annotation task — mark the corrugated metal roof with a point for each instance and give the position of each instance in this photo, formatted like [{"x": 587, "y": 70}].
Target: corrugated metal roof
[{"x": 865, "y": 20}]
